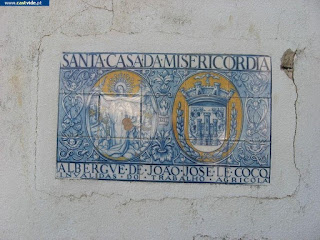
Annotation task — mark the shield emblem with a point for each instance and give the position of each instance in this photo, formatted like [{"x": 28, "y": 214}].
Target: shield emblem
[
  {"x": 207, "y": 117},
  {"x": 207, "y": 126}
]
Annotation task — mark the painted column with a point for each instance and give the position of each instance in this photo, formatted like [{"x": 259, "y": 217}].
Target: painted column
[
  {"x": 207, "y": 128},
  {"x": 199, "y": 126}
]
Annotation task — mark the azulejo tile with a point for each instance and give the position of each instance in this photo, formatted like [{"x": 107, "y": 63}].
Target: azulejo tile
[
  {"x": 76, "y": 112},
  {"x": 166, "y": 118},
  {"x": 256, "y": 119}
]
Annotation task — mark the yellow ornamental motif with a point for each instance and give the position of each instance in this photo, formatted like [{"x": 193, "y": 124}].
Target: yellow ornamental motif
[
  {"x": 207, "y": 117},
  {"x": 120, "y": 82}
]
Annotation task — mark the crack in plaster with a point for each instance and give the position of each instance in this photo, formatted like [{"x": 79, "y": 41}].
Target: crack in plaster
[
  {"x": 104, "y": 8},
  {"x": 93, "y": 6},
  {"x": 200, "y": 236},
  {"x": 67, "y": 21},
  {"x": 95, "y": 34},
  {"x": 37, "y": 106},
  {"x": 38, "y": 78},
  {"x": 129, "y": 201},
  {"x": 287, "y": 65},
  {"x": 295, "y": 129}
]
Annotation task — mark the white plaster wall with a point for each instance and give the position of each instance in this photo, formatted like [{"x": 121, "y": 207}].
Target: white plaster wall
[{"x": 35, "y": 205}]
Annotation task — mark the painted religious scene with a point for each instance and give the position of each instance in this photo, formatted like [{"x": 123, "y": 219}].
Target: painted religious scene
[
  {"x": 122, "y": 120},
  {"x": 165, "y": 118}
]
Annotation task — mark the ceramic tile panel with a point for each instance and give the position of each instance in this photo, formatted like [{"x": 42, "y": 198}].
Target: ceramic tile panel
[
  {"x": 78, "y": 114},
  {"x": 256, "y": 119},
  {"x": 187, "y": 118}
]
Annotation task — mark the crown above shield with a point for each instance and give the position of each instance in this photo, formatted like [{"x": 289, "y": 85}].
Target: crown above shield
[{"x": 207, "y": 94}]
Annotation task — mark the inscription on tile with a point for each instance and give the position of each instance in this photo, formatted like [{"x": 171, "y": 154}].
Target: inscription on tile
[{"x": 192, "y": 118}]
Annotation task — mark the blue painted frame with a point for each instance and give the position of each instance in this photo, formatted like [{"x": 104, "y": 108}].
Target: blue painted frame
[{"x": 98, "y": 92}]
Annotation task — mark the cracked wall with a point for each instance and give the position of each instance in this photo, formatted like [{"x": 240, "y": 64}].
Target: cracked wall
[{"x": 36, "y": 205}]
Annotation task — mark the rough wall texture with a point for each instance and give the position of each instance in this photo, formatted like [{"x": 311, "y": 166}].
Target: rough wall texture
[{"x": 35, "y": 205}]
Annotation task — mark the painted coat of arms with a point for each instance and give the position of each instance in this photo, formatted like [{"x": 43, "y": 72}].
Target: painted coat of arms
[{"x": 197, "y": 118}]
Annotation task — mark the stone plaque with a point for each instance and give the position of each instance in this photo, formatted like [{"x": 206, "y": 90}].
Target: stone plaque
[{"x": 164, "y": 117}]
